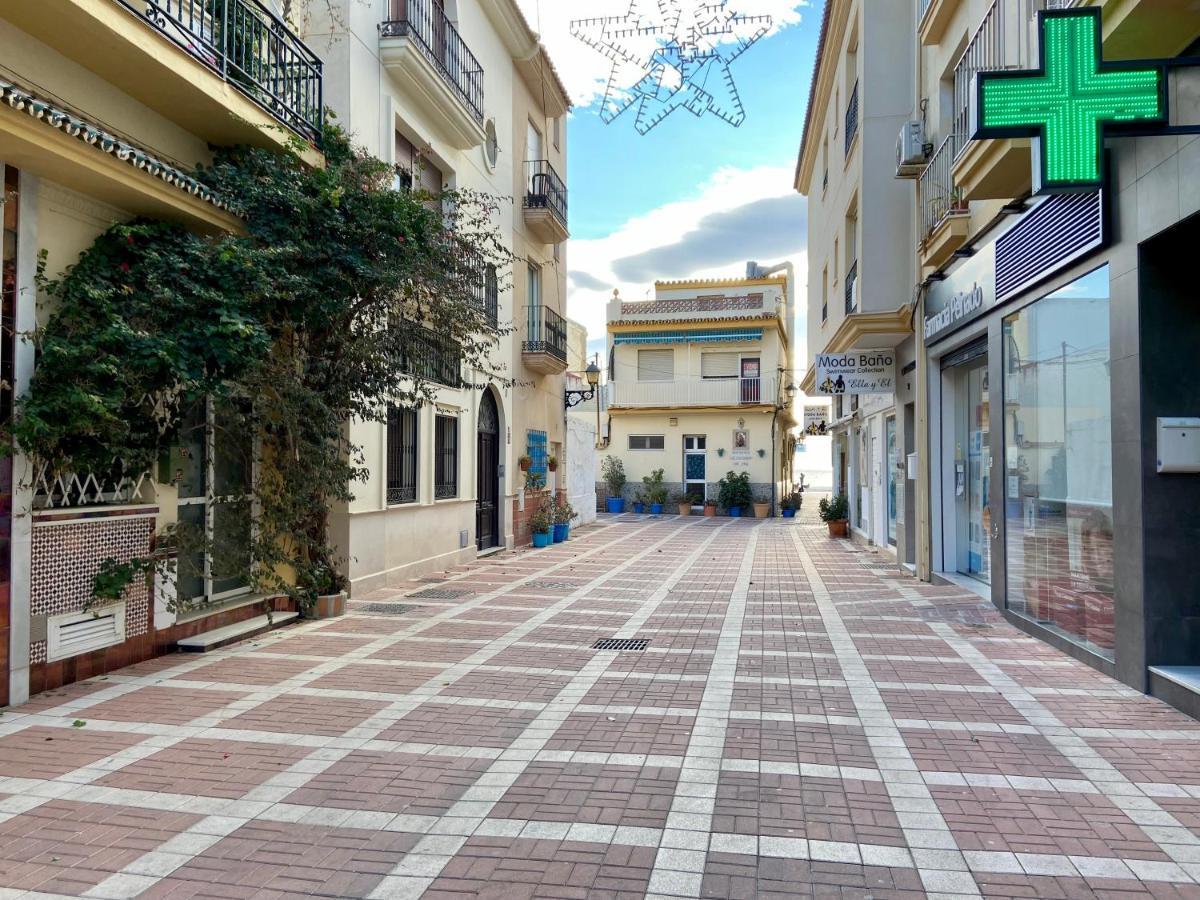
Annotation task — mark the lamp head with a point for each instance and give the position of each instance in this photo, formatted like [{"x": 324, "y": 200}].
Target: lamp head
[{"x": 592, "y": 373}]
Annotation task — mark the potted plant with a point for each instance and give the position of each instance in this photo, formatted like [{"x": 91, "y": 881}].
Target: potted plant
[
  {"x": 612, "y": 470},
  {"x": 552, "y": 463},
  {"x": 834, "y": 514},
  {"x": 541, "y": 523},
  {"x": 534, "y": 481},
  {"x": 328, "y": 586},
  {"x": 524, "y": 461},
  {"x": 735, "y": 494},
  {"x": 563, "y": 514},
  {"x": 788, "y": 506},
  {"x": 710, "y": 508},
  {"x": 639, "y": 502},
  {"x": 686, "y": 502},
  {"x": 656, "y": 491}
]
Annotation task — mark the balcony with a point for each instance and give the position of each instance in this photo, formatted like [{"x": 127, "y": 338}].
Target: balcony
[
  {"x": 945, "y": 215},
  {"x": 545, "y": 202},
  {"x": 852, "y": 288},
  {"x": 693, "y": 392},
  {"x": 545, "y": 346},
  {"x": 228, "y": 71},
  {"x": 851, "y": 123},
  {"x": 428, "y": 58}
]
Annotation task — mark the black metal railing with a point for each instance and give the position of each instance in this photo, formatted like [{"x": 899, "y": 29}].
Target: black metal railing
[
  {"x": 252, "y": 49},
  {"x": 545, "y": 332},
  {"x": 433, "y": 357},
  {"x": 852, "y": 118},
  {"x": 851, "y": 281},
  {"x": 544, "y": 189},
  {"x": 424, "y": 22},
  {"x": 491, "y": 296}
]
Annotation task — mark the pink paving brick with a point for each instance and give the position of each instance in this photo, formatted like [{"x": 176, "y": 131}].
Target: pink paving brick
[
  {"x": 619, "y": 691},
  {"x": 302, "y": 714},
  {"x": 623, "y": 733},
  {"x": 784, "y": 665},
  {"x": 592, "y": 794},
  {"x": 50, "y": 699},
  {"x": 205, "y": 767},
  {"x": 1146, "y": 760},
  {"x": 521, "y": 656},
  {"x": 373, "y": 626},
  {"x": 427, "y": 651},
  {"x": 460, "y": 725},
  {"x": 249, "y": 669},
  {"x": 987, "y": 753},
  {"x": 276, "y": 859},
  {"x": 161, "y": 705},
  {"x": 821, "y": 809},
  {"x": 759, "y": 696},
  {"x": 67, "y": 848},
  {"x": 463, "y": 631},
  {"x": 1073, "y": 824},
  {"x": 731, "y": 876},
  {"x": 513, "y": 869},
  {"x": 388, "y": 679},
  {"x": 1127, "y": 712},
  {"x": 313, "y": 643},
  {"x": 42, "y": 752},
  {"x": 948, "y": 671},
  {"x": 494, "y": 685},
  {"x": 392, "y": 782},
  {"x": 945, "y": 706},
  {"x": 840, "y": 745}
]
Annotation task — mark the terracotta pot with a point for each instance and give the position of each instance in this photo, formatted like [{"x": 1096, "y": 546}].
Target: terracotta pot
[
  {"x": 524, "y": 465},
  {"x": 329, "y": 606},
  {"x": 761, "y": 510},
  {"x": 710, "y": 512},
  {"x": 839, "y": 528},
  {"x": 685, "y": 509}
]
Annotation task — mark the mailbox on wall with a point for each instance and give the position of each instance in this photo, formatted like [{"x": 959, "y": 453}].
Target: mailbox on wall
[{"x": 1178, "y": 446}]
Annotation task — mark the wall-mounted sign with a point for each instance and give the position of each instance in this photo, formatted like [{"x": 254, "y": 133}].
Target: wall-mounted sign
[
  {"x": 1070, "y": 101},
  {"x": 816, "y": 420},
  {"x": 741, "y": 446},
  {"x": 961, "y": 307},
  {"x": 856, "y": 372}
]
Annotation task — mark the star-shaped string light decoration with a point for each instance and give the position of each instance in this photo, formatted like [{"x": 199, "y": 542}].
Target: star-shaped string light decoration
[{"x": 672, "y": 54}]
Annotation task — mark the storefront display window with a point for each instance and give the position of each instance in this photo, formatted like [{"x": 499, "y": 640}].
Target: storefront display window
[{"x": 1058, "y": 462}]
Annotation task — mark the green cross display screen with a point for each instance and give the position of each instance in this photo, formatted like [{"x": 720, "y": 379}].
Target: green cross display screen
[{"x": 1069, "y": 101}]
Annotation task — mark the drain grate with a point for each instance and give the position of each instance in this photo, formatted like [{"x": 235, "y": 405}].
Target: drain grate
[
  {"x": 552, "y": 586},
  {"x": 621, "y": 644},
  {"x": 386, "y": 609},
  {"x": 441, "y": 594}
]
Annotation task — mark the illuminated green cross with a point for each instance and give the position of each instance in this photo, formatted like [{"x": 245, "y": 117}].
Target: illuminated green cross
[{"x": 1068, "y": 102}]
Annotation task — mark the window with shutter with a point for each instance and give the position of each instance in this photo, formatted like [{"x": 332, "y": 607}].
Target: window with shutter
[
  {"x": 656, "y": 365},
  {"x": 718, "y": 365}
]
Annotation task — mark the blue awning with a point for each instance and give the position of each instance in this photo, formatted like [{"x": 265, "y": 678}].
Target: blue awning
[{"x": 713, "y": 336}]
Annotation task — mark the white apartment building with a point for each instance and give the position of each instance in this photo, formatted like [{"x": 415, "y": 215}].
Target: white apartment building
[{"x": 860, "y": 262}]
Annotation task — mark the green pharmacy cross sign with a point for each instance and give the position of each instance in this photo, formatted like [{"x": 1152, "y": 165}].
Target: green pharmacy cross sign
[{"x": 1070, "y": 101}]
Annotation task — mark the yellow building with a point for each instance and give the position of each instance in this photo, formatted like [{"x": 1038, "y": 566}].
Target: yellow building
[
  {"x": 104, "y": 113},
  {"x": 700, "y": 384}
]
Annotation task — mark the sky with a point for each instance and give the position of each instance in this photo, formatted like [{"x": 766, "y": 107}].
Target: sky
[{"x": 695, "y": 196}]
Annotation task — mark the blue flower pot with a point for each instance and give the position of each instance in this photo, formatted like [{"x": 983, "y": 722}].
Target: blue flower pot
[
  {"x": 639, "y": 508},
  {"x": 789, "y": 514},
  {"x": 561, "y": 532},
  {"x": 735, "y": 512},
  {"x": 615, "y": 504},
  {"x": 542, "y": 538},
  {"x": 656, "y": 509}
]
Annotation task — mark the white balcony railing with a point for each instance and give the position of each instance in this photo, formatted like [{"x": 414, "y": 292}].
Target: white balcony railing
[{"x": 694, "y": 392}]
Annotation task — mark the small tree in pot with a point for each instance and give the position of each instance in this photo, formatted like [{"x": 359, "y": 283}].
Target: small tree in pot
[
  {"x": 656, "y": 491},
  {"x": 735, "y": 494},
  {"x": 834, "y": 513},
  {"x": 541, "y": 524},
  {"x": 612, "y": 470}
]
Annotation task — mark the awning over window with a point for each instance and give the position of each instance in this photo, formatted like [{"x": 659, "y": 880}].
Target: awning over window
[{"x": 713, "y": 336}]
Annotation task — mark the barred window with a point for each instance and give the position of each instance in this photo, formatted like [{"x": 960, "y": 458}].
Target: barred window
[
  {"x": 445, "y": 458},
  {"x": 536, "y": 441},
  {"x": 401, "y": 456},
  {"x": 432, "y": 356},
  {"x": 491, "y": 295}
]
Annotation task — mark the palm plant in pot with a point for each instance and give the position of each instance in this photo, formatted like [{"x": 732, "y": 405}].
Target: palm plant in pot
[
  {"x": 656, "y": 491},
  {"x": 639, "y": 502},
  {"x": 612, "y": 470},
  {"x": 563, "y": 514},
  {"x": 834, "y": 513},
  {"x": 735, "y": 494},
  {"x": 541, "y": 523}
]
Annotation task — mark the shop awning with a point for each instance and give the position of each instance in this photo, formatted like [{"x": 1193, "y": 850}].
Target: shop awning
[{"x": 711, "y": 336}]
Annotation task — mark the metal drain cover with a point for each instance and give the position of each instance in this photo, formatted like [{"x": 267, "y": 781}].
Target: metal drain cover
[
  {"x": 441, "y": 594},
  {"x": 552, "y": 586},
  {"x": 386, "y": 609},
  {"x": 621, "y": 644}
]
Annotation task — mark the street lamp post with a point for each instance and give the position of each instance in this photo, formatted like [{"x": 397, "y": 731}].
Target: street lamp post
[{"x": 574, "y": 398}]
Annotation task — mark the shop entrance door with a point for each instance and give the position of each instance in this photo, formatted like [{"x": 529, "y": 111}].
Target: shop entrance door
[
  {"x": 891, "y": 467},
  {"x": 695, "y": 477},
  {"x": 972, "y": 465}
]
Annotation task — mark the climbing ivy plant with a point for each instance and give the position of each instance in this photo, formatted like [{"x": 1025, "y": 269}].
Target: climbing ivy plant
[{"x": 326, "y": 310}]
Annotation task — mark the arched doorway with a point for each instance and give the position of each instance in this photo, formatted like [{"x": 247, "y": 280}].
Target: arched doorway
[{"x": 487, "y": 464}]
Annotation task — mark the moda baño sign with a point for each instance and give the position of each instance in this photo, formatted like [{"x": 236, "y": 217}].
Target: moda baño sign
[{"x": 857, "y": 372}]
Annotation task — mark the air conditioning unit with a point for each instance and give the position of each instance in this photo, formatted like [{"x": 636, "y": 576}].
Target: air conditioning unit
[{"x": 912, "y": 151}]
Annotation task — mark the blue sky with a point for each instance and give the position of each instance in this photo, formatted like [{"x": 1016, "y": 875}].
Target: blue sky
[{"x": 694, "y": 196}]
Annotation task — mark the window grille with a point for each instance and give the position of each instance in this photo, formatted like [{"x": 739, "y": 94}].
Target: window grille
[
  {"x": 445, "y": 471},
  {"x": 431, "y": 356},
  {"x": 537, "y": 452},
  {"x": 401, "y": 456}
]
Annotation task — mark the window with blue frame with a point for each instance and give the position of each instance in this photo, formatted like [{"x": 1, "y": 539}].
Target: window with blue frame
[{"x": 536, "y": 441}]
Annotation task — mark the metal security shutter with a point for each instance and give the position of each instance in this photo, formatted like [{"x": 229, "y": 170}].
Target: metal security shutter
[
  {"x": 718, "y": 365},
  {"x": 656, "y": 365}
]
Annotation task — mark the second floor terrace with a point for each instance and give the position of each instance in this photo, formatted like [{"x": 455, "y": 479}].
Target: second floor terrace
[
  {"x": 545, "y": 202},
  {"x": 431, "y": 62}
]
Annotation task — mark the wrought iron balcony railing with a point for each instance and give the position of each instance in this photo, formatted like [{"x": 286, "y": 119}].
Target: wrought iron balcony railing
[
  {"x": 544, "y": 189},
  {"x": 940, "y": 197},
  {"x": 851, "y": 284},
  {"x": 545, "y": 332},
  {"x": 252, "y": 49},
  {"x": 852, "y": 118},
  {"x": 424, "y": 23}
]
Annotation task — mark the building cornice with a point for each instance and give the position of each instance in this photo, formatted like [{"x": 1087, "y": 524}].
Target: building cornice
[
  {"x": 857, "y": 327},
  {"x": 699, "y": 284},
  {"x": 624, "y": 326}
]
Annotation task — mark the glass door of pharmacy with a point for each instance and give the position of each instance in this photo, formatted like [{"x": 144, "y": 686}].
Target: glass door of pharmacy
[{"x": 972, "y": 468}]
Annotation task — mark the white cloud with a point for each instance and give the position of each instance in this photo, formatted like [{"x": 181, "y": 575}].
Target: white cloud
[
  {"x": 704, "y": 235},
  {"x": 585, "y": 71}
]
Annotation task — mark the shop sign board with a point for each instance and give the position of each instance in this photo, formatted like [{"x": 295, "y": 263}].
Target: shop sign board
[
  {"x": 856, "y": 372},
  {"x": 816, "y": 420},
  {"x": 966, "y": 293}
]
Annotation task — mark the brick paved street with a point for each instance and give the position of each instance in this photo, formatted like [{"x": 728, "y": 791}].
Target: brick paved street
[{"x": 804, "y": 722}]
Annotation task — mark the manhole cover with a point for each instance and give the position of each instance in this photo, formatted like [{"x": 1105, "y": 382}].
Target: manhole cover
[
  {"x": 441, "y": 594},
  {"x": 620, "y": 644},
  {"x": 386, "y": 609},
  {"x": 552, "y": 586}
]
